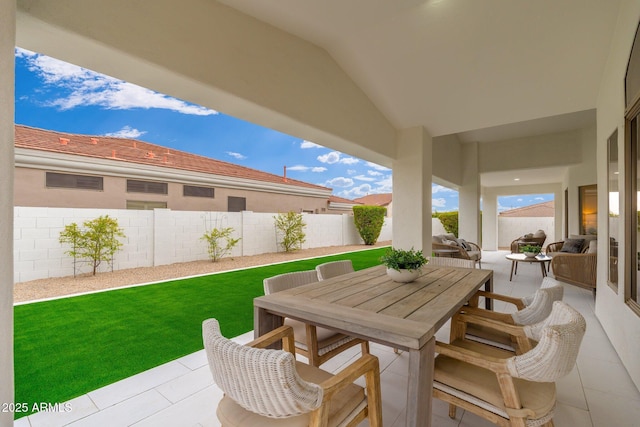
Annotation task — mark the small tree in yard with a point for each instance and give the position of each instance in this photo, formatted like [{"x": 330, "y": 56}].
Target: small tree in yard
[
  {"x": 218, "y": 249},
  {"x": 96, "y": 242},
  {"x": 291, "y": 228},
  {"x": 369, "y": 221}
]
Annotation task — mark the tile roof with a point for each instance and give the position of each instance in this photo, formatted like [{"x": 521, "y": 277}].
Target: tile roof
[
  {"x": 383, "y": 199},
  {"x": 135, "y": 151},
  {"x": 336, "y": 199},
  {"x": 544, "y": 209}
]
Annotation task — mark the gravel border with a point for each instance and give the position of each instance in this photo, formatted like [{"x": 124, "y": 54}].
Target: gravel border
[{"x": 60, "y": 286}]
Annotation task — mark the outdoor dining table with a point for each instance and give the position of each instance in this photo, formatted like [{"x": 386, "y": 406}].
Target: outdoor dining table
[{"x": 369, "y": 305}]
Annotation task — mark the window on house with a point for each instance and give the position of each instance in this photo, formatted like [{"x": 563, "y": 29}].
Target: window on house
[
  {"x": 588, "y": 200},
  {"x": 81, "y": 182},
  {"x": 195, "y": 191},
  {"x": 631, "y": 177},
  {"x": 614, "y": 208},
  {"x": 152, "y": 187},
  {"x": 236, "y": 204},
  {"x": 145, "y": 206}
]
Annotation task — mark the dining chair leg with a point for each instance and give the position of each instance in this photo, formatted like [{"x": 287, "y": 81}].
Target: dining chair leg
[{"x": 452, "y": 411}]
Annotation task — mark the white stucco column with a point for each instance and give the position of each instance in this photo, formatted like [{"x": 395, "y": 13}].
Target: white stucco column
[
  {"x": 489, "y": 221},
  {"x": 412, "y": 190},
  {"x": 469, "y": 195},
  {"x": 7, "y": 46}
]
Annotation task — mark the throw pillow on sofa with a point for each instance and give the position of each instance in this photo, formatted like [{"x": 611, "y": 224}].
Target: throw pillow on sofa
[{"x": 572, "y": 246}]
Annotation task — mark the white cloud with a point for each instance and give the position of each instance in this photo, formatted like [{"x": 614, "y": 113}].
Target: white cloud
[
  {"x": 340, "y": 182},
  {"x": 330, "y": 158},
  {"x": 299, "y": 168},
  {"x": 127, "y": 132},
  {"x": 351, "y": 171},
  {"x": 355, "y": 192},
  {"x": 438, "y": 203},
  {"x": 440, "y": 189},
  {"x": 349, "y": 161},
  {"x": 309, "y": 144},
  {"x": 520, "y": 200},
  {"x": 377, "y": 167},
  {"x": 539, "y": 198},
  {"x": 318, "y": 169},
  {"x": 364, "y": 178},
  {"x": 385, "y": 185},
  {"x": 236, "y": 155},
  {"x": 86, "y": 87},
  {"x": 374, "y": 173}
]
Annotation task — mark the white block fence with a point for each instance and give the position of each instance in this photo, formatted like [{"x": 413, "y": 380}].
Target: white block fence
[{"x": 161, "y": 237}]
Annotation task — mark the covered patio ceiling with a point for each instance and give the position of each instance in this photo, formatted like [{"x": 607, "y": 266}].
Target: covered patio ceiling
[{"x": 484, "y": 70}]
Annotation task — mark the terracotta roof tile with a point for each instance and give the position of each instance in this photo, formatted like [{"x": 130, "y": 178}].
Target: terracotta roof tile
[
  {"x": 135, "y": 151},
  {"x": 544, "y": 209},
  {"x": 336, "y": 199},
  {"x": 383, "y": 199}
]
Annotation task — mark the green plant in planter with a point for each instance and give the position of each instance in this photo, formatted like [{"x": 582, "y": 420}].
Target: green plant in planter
[
  {"x": 400, "y": 259},
  {"x": 530, "y": 248}
]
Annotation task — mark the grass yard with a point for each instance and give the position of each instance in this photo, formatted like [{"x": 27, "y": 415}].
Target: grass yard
[{"x": 65, "y": 348}]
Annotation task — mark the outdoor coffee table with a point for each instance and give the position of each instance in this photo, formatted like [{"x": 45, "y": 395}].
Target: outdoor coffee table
[{"x": 516, "y": 258}]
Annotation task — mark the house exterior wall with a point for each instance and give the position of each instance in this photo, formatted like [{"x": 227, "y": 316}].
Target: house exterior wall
[
  {"x": 619, "y": 321},
  {"x": 30, "y": 190},
  {"x": 510, "y": 229},
  {"x": 161, "y": 236}
]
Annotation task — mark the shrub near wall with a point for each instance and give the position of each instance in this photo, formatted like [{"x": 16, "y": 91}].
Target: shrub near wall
[
  {"x": 369, "y": 221},
  {"x": 449, "y": 221}
]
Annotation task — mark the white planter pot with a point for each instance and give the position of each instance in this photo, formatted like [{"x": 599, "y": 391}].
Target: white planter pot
[
  {"x": 403, "y": 276},
  {"x": 530, "y": 254}
]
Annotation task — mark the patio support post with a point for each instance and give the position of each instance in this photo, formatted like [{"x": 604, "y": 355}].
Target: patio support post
[
  {"x": 412, "y": 170},
  {"x": 7, "y": 49},
  {"x": 469, "y": 211},
  {"x": 489, "y": 220}
]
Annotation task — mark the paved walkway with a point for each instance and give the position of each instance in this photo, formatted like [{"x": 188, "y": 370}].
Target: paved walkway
[{"x": 598, "y": 393}]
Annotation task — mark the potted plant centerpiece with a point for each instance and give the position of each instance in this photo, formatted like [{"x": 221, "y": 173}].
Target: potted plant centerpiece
[
  {"x": 530, "y": 251},
  {"x": 403, "y": 265}
]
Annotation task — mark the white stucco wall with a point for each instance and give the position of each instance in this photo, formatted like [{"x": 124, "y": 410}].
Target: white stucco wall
[
  {"x": 510, "y": 228},
  {"x": 161, "y": 237},
  {"x": 619, "y": 321}
]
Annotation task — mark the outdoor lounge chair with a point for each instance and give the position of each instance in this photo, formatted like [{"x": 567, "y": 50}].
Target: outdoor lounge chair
[
  {"x": 265, "y": 387},
  {"x": 460, "y": 247},
  {"x": 507, "y": 389},
  {"x": 538, "y": 238},
  {"x": 451, "y": 262},
  {"x": 315, "y": 343},
  {"x": 333, "y": 269},
  {"x": 574, "y": 260}
]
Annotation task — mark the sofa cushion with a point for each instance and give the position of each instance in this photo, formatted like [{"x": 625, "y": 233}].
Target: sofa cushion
[
  {"x": 463, "y": 243},
  {"x": 474, "y": 255},
  {"x": 593, "y": 247},
  {"x": 450, "y": 242},
  {"x": 572, "y": 246},
  {"x": 539, "y": 233},
  {"x": 436, "y": 239}
]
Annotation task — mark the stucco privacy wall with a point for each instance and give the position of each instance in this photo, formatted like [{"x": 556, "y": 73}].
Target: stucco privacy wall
[
  {"x": 162, "y": 236},
  {"x": 510, "y": 229}
]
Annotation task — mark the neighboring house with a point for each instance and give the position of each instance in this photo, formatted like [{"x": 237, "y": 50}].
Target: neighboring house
[
  {"x": 517, "y": 222},
  {"x": 342, "y": 205},
  {"x": 54, "y": 169},
  {"x": 383, "y": 199}
]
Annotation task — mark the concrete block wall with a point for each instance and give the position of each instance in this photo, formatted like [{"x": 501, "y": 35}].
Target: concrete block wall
[{"x": 160, "y": 237}]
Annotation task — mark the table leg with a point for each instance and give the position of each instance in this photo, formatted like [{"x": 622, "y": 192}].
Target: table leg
[
  {"x": 544, "y": 269},
  {"x": 488, "y": 287},
  {"x": 264, "y": 321},
  {"x": 513, "y": 263},
  {"x": 420, "y": 385}
]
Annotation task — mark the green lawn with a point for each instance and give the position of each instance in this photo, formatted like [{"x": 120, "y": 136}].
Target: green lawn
[{"x": 68, "y": 347}]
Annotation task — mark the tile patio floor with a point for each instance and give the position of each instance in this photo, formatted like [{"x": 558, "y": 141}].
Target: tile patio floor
[{"x": 598, "y": 393}]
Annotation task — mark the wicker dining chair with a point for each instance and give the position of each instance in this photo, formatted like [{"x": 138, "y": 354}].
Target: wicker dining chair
[
  {"x": 264, "y": 387},
  {"x": 315, "y": 343},
  {"x": 333, "y": 269},
  {"x": 507, "y": 389},
  {"x": 536, "y": 311}
]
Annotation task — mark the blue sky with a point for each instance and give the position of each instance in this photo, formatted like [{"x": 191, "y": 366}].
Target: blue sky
[{"x": 56, "y": 95}]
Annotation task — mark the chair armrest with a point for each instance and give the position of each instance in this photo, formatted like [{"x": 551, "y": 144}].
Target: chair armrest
[
  {"x": 365, "y": 364},
  {"x": 488, "y": 314},
  {"x": 474, "y": 246},
  {"x": 284, "y": 333},
  {"x": 515, "y": 331},
  {"x": 494, "y": 364},
  {"x": 554, "y": 247},
  {"x": 490, "y": 295}
]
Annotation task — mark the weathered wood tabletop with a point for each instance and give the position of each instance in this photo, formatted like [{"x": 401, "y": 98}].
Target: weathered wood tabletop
[{"x": 367, "y": 304}]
